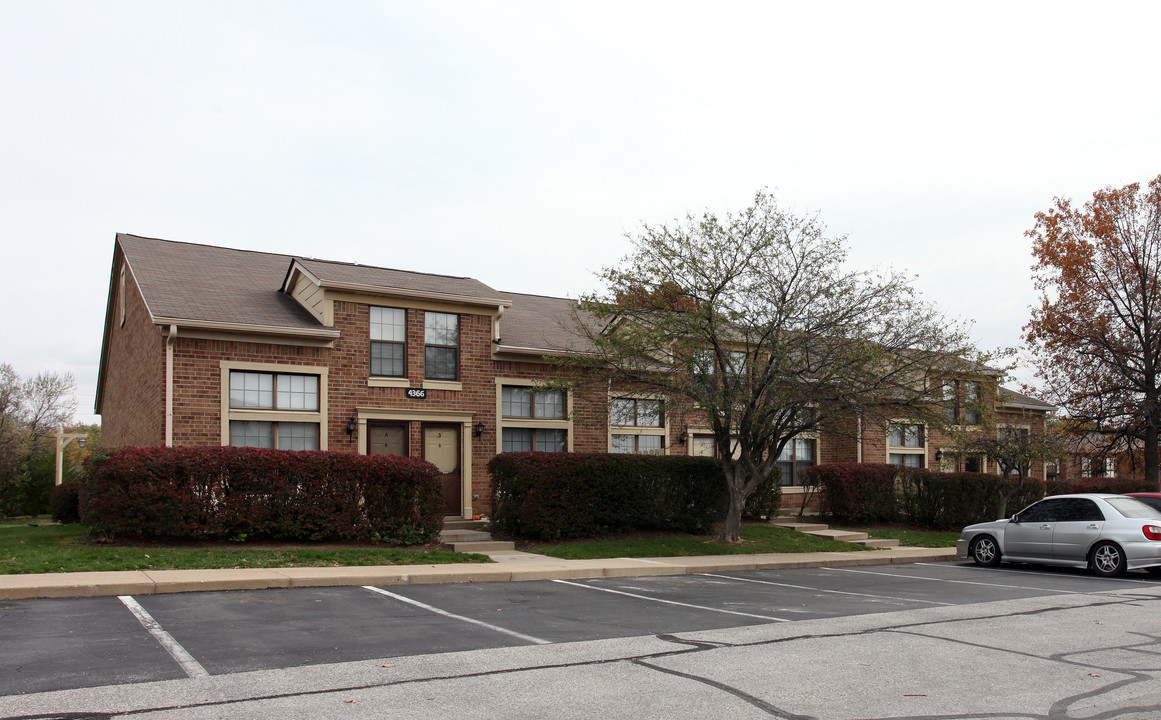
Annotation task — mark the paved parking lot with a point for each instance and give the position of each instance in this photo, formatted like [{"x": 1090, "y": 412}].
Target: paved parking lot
[{"x": 51, "y": 645}]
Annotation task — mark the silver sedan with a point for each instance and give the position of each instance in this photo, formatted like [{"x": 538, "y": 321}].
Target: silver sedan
[{"x": 1107, "y": 533}]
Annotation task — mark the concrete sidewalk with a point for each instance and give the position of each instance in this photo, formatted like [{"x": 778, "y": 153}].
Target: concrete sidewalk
[{"x": 507, "y": 566}]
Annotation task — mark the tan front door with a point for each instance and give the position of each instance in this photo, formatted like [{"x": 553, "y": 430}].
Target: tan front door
[
  {"x": 441, "y": 447},
  {"x": 387, "y": 439}
]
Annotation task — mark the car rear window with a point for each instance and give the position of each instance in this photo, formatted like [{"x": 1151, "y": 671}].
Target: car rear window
[{"x": 1132, "y": 507}]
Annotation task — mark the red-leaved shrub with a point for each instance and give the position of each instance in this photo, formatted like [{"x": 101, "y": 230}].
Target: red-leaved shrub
[{"x": 256, "y": 494}]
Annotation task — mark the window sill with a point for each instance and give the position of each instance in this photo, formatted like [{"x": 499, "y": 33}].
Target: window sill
[
  {"x": 442, "y": 385},
  {"x": 388, "y": 382}
]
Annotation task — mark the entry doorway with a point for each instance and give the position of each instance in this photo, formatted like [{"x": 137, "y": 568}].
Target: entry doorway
[
  {"x": 387, "y": 439},
  {"x": 441, "y": 447}
]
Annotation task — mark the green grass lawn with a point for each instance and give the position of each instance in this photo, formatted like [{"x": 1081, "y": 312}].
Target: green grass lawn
[
  {"x": 915, "y": 538},
  {"x": 65, "y": 548},
  {"x": 756, "y": 539}
]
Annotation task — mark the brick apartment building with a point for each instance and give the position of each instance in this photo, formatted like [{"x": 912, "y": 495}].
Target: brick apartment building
[{"x": 206, "y": 345}]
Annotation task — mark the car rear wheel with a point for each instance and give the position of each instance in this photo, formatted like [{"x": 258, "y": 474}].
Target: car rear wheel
[
  {"x": 1107, "y": 560},
  {"x": 985, "y": 551}
]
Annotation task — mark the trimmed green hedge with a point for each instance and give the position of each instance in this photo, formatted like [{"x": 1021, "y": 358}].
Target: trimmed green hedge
[
  {"x": 554, "y": 496},
  {"x": 256, "y": 494},
  {"x": 861, "y": 494},
  {"x": 947, "y": 501}
]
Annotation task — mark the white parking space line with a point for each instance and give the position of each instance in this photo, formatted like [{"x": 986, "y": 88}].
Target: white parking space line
[
  {"x": 445, "y": 613},
  {"x": 823, "y": 590},
  {"x": 956, "y": 582},
  {"x": 671, "y": 602},
  {"x": 191, "y": 667},
  {"x": 1006, "y": 570}
]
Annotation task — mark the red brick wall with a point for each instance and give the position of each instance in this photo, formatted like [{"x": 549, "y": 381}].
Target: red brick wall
[
  {"x": 133, "y": 397},
  {"x": 197, "y": 397}
]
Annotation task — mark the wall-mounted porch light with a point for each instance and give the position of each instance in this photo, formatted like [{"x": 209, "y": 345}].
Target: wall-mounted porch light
[
  {"x": 683, "y": 437},
  {"x": 352, "y": 425},
  {"x": 478, "y": 429}
]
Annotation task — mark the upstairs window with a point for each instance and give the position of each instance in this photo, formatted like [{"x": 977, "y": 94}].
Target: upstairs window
[
  {"x": 388, "y": 342},
  {"x": 633, "y": 412},
  {"x": 971, "y": 403},
  {"x": 441, "y": 349},
  {"x": 951, "y": 401}
]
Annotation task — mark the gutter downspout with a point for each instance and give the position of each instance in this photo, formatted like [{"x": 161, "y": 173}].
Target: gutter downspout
[
  {"x": 859, "y": 435},
  {"x": 170, "y": 339}
]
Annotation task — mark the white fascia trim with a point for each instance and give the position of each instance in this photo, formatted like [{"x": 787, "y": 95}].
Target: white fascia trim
[{"x": 247, "y": 328}]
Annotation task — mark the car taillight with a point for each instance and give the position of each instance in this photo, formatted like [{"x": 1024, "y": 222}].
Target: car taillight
[{"x": 1153, "y": 532}]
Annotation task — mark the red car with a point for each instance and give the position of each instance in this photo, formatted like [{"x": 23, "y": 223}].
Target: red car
[{"x": 1152, "y": 499}]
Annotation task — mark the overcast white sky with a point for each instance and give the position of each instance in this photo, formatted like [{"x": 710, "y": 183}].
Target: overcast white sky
[{"x": 516, "y": 142}]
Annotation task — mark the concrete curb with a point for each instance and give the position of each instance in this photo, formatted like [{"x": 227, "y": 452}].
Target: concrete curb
[{"x": 508, "y": 567}]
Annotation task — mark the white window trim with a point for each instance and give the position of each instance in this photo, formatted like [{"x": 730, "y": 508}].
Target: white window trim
[
  {"x": 532, "y": 423},
  {"x": 303, "y": 416}
]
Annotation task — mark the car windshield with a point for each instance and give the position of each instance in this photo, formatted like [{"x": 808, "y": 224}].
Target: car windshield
[{"x": 1132, "y": 507}]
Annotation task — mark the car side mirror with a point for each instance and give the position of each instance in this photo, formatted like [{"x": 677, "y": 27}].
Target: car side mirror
[{"x": 1016, "y": 518}]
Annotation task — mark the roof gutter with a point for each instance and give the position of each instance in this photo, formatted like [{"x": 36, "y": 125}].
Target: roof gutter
[
  {"x": 324, "y": 333},
  {"x": 170, "y": 339},
  {"x": 419, "y": 294}
]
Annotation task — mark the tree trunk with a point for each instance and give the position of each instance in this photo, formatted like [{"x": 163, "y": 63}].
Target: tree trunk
[
  {"x": 731, "y": 528},
  {"x": 1152, "y": 464}
]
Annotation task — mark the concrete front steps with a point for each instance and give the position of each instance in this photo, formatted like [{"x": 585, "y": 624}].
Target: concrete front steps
[
  {"x": 471, "y": 536},
  {"x": 823, "y": 530}
]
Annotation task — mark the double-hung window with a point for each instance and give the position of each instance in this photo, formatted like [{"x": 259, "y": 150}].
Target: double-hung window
[
  {"x": 905, "y": 444},
  {"x": 638, "y": 426},
  {"x": 388, "y": 342},
  {"x": 796, "y": 456},
  {"x": 519, "y": 403},
  {"x": 441, "y": 349},
  {"x": 276, "y": 392},
  {"x": 951, "y": 401},
  {"x": 971, "y": 403}
]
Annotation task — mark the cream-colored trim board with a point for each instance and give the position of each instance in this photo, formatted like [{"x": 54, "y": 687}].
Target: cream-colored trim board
[
  {"x": 310, "y": 296},
  {"x": 257, "y": 338},
  {"x": 565, "y": 424},
  {"x": 414, "y": 300},
  {"x": 443, "y": 385},
  {"x": 320, "y": 416},
  {"x": 186, "y": 325},
  {"x": 394, "y": 382},
  {"x": 448, "y": 417}
]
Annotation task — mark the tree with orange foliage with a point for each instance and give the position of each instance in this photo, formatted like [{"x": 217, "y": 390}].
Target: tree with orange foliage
[{"x": 1096, "y": 336}]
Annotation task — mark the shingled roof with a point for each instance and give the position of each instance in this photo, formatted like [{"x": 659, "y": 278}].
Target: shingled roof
[
  {"x": 187, "y": 282},
  {"x": 208, "y": 284},
  {"x": 355, "y": 276},
  {"x": 540, "y": 323},
  {"x": 1012, "y": 398}
]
